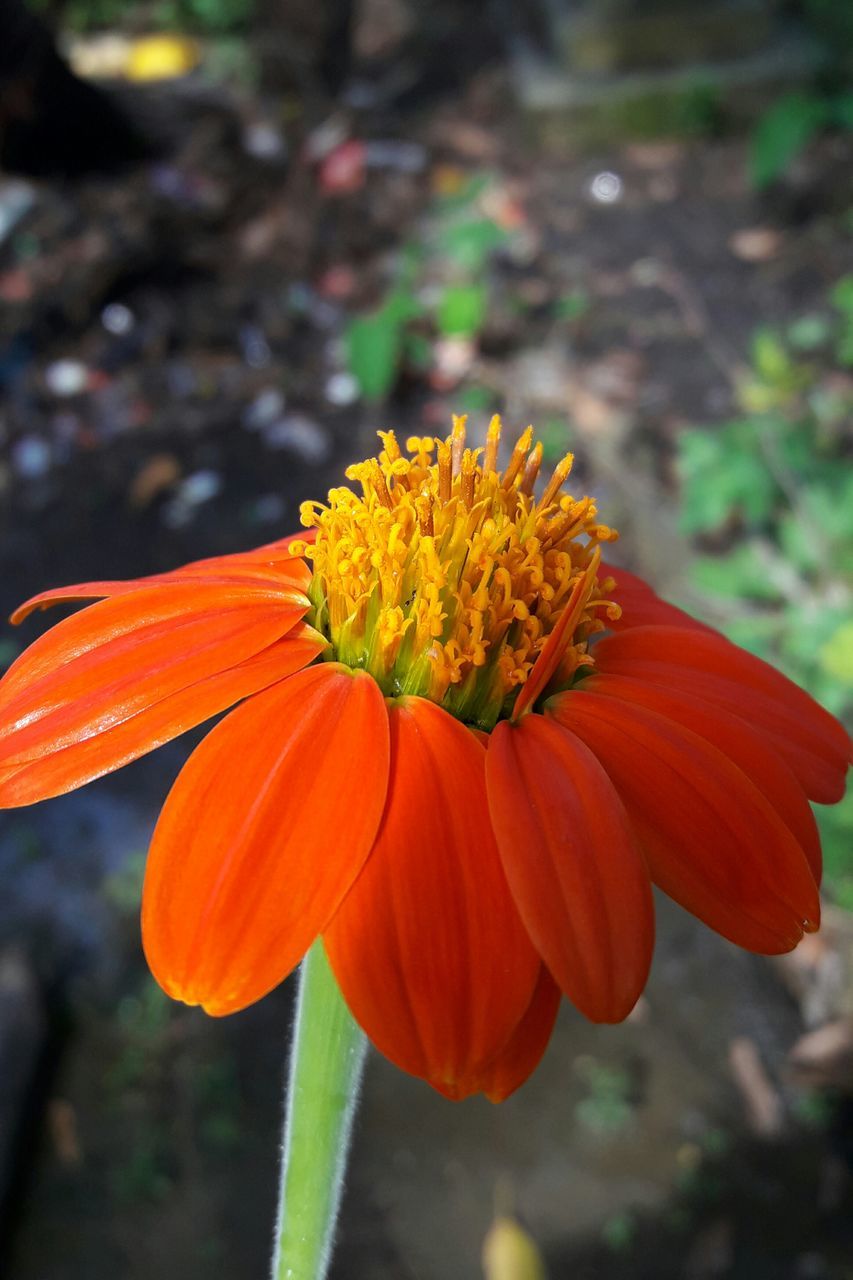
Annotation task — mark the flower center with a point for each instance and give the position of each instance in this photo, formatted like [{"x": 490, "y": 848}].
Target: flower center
[{"x": 445, "y": 577}]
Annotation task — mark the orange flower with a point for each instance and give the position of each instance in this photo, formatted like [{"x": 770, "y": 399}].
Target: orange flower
[{"x": 464, "y": 751}]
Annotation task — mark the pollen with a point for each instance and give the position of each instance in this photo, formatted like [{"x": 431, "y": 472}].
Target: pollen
[{"x": 444, "y": 576}]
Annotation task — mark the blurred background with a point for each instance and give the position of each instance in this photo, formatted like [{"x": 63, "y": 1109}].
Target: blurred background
[{"x": 237, "y": 237}]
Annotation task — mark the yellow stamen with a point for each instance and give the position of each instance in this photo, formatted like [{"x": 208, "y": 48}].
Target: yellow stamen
[
  {"x": 423, "y": 506},
  {"x": 378, "y": 479},
  {"x": 469, "y": 477},
  {"x": 457, "y": 442},
  {"x": 531, "y": 469},
  {"x": 519, "y": 454},
  {"x": 446, "y": 579},
  {"x": 445, "y": 470},
  {"x": 493, "y": 440},
  {"x": 558, "y": 479}
]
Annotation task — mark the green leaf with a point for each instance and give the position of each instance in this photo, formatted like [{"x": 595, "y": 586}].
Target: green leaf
[
  {"x": 809, "y": 332},
  {"x": 797, "y": 544},
  {"x": 836, "y": 831},
  {"x": 783, "y": 132},
  {"x": 742, "y": 574},
  {"x": 418, "y": 350},
  {"x": 619, "y": 1232},
  {"x": 462, "y": 310},
  {"x": 802, "y": 632},
  {"x": 836, "y": 656},
  {"x": 401, "y": 305},
  {"x": 842, "y": 295},
  {"x": 700, "y": 460},
  {"x": 470, "y": 243},
  {"x": 830, "y": 506},
  {"x": 757, "y": 632},
  {"x": 842, "y": 298},
  {"x": 769, "y": 356},
  {"x": 844, "y": 346},
  {"x": 555, "y": 438},
  {"x": 474, "y": 399},
  {"x": 470, "y": 191},
  {"x": 778, "y": 378},
  {"x": 841, "y": 108},
  {"x": 374, "y": 346},
  {"x": 572, "y": 305},
  {"x": 724, "y": 474},
  {"x": 700, "y": 449},
  {"x": 795, "y": 444},
  {"x": 705, "y": 507}
]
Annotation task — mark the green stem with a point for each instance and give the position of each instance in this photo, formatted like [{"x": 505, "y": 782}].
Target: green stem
[{"x": 326, "y": 1062}]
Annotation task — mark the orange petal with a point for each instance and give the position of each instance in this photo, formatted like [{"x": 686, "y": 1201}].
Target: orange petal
[
  {"x": 573, "y": 864},
  {"x": 811, "y": 741},
  {"x": 63, "y": 770},
  {"x": 641, "y": 605},
  {"x": 263, "y": 833},
  {"x": 711, "y": 839},
  {"x": 276, "y": 552},
  {"x": 428, "y": 948},
  {"x": 744, "y": 747},
  {"x": 119, "y": 659},
  {"x": 270, "y": 565},
  {"x": 554, "y": 647},
  {"x": 517, "y": 1062}
]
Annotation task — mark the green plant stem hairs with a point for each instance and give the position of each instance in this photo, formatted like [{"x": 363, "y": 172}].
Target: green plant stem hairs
[{"x": 326, "y": 1063}]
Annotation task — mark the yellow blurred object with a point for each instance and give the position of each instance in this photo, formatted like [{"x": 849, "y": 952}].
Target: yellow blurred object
[
  {"x": 107, "y": 56},
  {"x": 509, "y": 1253},
  {"x": 448, "y": 179},
  {"x": 161, "y": 57}
]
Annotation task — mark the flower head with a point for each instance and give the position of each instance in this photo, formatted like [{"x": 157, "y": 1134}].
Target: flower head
[
  {"x": 444, "y": 578},
  {"x": 465, "y": 750}
]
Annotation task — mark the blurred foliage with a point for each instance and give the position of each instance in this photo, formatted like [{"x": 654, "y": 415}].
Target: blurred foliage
[
  {"x": 476, "y": 400},
  {"x": 797, "y": 119},
  {"x": 210, "y": 17},
  {"x": 455, "y": 272},
  {"x": 219, "y": 17},
  {"x": 786, "y": 129},
  {"x": 619, "y": 1232},
  {"x": 172, "y": 1094},
  {"x": 375, "y": 343},
  {"x": 769, "y": 496},
  {"x": 122, "y": 889},
  {"x": 832, "y": 22},
  {"x": 142, "y": 1024},
  {"x": 9, "y": 650},
  {"x": 815, "y": 1108},
  {"x": 609, "y": 1105},
  {"x": 573, "y": 305},
  {"x": 84, "y": 15},
  {"x": 462, "y": 310},
  {"x": 441, "y": 289},
  {"x": 551, "y": 433}
]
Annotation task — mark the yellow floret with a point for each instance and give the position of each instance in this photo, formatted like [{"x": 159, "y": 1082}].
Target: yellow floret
[{"x": 444, "y": 578}]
